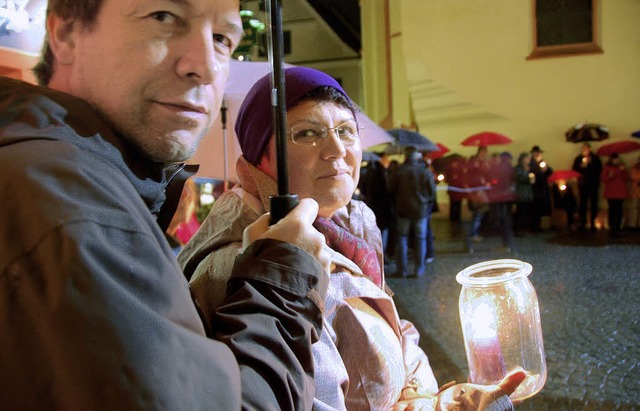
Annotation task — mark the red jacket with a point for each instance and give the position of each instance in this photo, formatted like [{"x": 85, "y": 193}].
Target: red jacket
[{"x": 615, "y": 181}]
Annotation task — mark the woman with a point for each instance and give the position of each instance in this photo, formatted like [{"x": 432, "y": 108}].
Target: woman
[
  {"x": 367, "y": 358},
  {"x": 477, "y": 183},
  {"x": 614, "y": 176}
]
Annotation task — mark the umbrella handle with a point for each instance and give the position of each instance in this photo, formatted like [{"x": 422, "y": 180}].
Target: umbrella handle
[
  {"x": 281, "y": 205},
  {"x": 284, "y": 201}
]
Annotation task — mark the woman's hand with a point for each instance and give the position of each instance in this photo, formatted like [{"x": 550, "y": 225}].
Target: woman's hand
[
  {"x": 295, "y": 228},
  {"x": 481, "y": 397}
]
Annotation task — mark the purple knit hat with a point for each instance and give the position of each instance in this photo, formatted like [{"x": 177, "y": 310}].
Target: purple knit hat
[{"x": 254, "y": 124}]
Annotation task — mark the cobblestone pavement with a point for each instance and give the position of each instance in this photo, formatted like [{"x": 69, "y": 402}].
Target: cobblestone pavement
[{"x": 588, "y": 288}]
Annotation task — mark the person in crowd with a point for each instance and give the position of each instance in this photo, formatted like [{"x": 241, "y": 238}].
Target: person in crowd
[
  {"x": 524, "y": 193},
  {"x": 564, "y": 199},
  {"x": 390, "y": 250},
  {"x": 414, "y": 188},
  {"x": 378, "y": 198},
  {"x": 454, "y": 176},
  {"x": 361, "y": 321},
  {"x": 477, "y": 184},
  {"x": 588, "y": 164},
  {"x": 95, "y": 312},
  {"x": 427, "y": 158},
  {"x": 634, "y": 196},
  {"x": 184, "y": 223},
  {"x": 501, "y": 197},
  {"x": 432, "y": 208},
  {"x": 541, "y": 205},
  {"x": 615, "y": 177}
]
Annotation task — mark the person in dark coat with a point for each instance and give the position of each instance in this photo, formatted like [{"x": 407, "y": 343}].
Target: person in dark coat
[
  {"x": 524, "y": 193},
  {"x": 501, "y": 197},
  {"x": 541, "y": 205},
  {"x": 564, "y": 199},
  {"x": 95, "y": 312},
  {"x": 588, "y": 164},
  {"x": 378, "y": 198},
  {"x": 413, "y": 186}
]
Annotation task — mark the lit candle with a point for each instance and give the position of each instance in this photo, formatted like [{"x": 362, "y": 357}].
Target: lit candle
[{"x": 488, "y": 365}]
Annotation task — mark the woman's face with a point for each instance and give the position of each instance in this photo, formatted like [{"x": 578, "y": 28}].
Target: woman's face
[{"x": 327, "y": 172}]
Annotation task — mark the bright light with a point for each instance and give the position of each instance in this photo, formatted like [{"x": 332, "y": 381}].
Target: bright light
[
  {"x": 484, "y": 321},
  {"x": 206, "y": 195},
  {"x": 440, "y": 177},
  {"x": 543, "y": 164}
]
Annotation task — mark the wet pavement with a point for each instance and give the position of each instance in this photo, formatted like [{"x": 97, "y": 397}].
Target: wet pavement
[{"x": 588, "y": 287}]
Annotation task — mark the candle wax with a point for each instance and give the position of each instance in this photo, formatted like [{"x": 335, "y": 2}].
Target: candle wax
[{"x": 488, "y": 366}]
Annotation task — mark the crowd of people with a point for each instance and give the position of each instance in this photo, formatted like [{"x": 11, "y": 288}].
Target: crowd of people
[{"x": 504, "y": 198}]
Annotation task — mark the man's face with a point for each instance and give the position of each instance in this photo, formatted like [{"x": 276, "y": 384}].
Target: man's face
[
  {"x": 328, "y": 172},
  {"x": 585, "y": 150},
  {"x": 156, "y": 70}
]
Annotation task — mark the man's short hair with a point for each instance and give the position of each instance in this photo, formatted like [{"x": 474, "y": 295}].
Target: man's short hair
[{"x": 85, "y": 11}]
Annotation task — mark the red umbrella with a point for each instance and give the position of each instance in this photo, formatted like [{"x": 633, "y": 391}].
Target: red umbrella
[
  {"x": 619, "y": 147},
  {"x": 486, "y": 138},
  {"x": 443, "y": 150},
  {"x": 563, "y": 175}
]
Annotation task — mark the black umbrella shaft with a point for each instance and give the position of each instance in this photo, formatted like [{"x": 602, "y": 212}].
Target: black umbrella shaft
[{"x": 284, "y": 202}]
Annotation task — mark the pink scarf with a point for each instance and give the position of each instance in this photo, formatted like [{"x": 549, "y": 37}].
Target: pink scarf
[{"x": 352, "y": 247}]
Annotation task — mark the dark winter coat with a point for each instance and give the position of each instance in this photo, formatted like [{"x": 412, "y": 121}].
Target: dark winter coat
[
  {"x": 95, "y": 312},
  {"x": 414, "y": 187}
]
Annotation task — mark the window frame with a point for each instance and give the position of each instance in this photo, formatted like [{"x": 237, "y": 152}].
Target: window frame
[{"x": 565, "y": 50}]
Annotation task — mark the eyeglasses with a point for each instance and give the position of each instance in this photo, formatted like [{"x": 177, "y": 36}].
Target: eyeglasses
[{"x": 309, "y": 134}]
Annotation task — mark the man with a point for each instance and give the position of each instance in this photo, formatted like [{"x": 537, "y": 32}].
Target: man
[
  {"x": 414, "y": 189},
  {"x": 541, "y": 205},
  {"x": 95, "y": 312},
  {"x": 588, "y": 164}
]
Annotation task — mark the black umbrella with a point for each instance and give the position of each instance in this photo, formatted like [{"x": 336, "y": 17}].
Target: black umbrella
[
  {"x": 404, "y": 138},
  {"x": 587, "y": 132},
  {"x": 370, "y": 156},
  {"x": 636, "y": 134}
]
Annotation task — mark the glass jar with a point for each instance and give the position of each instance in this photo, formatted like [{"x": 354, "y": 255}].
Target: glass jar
[{"x": 501, "y": 327}]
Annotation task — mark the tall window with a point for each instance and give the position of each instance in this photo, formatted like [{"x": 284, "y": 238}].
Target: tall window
[{"x": 564, "y": 27}]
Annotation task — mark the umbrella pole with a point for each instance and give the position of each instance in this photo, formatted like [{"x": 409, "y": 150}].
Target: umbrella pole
[
  {"x": 283, "y": 202},
  {"x": 223, "y": 117}
]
